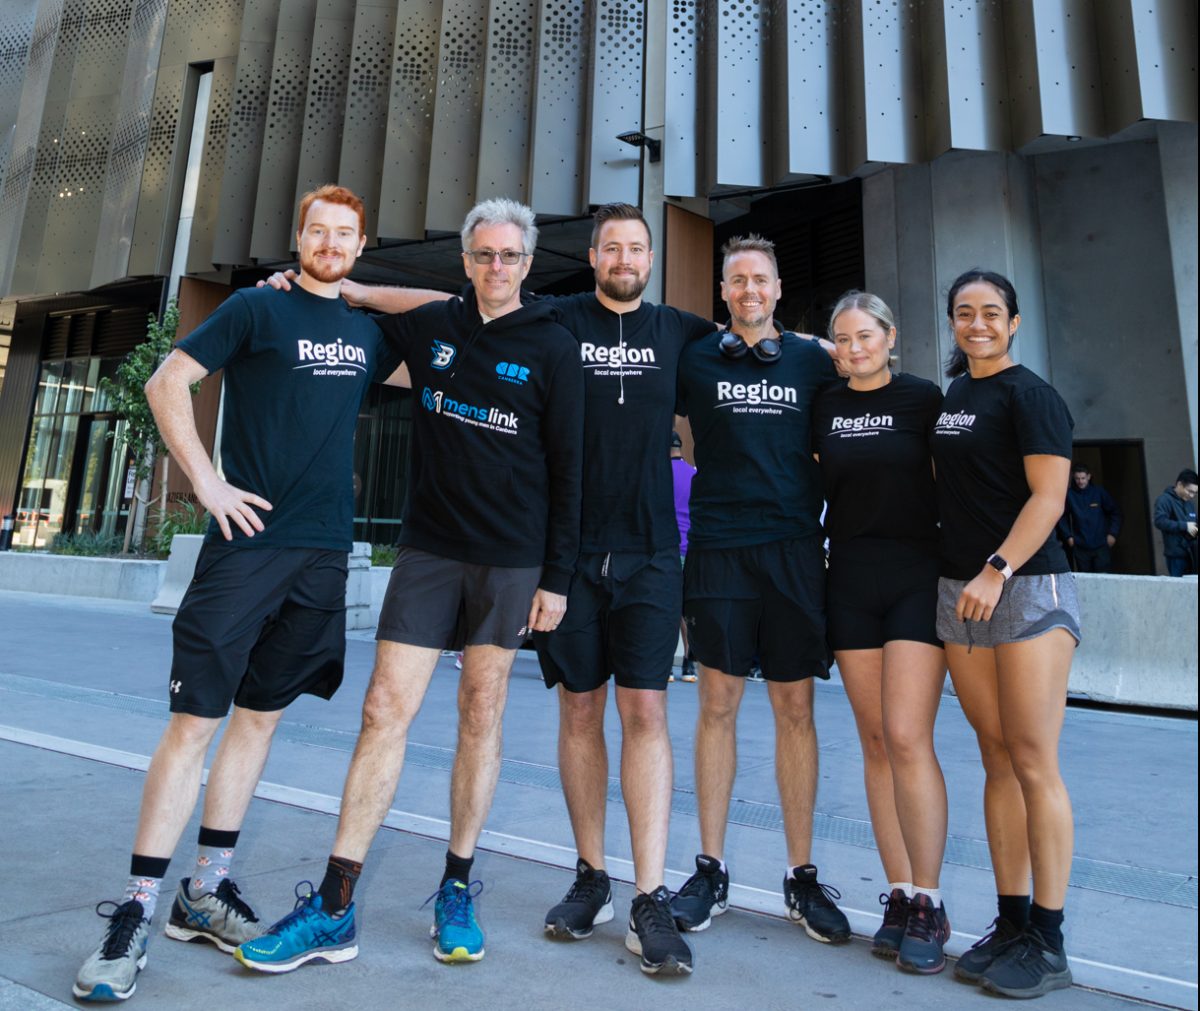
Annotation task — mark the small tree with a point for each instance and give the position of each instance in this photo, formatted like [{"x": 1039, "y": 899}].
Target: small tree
[{"x": 140, "y": 435}]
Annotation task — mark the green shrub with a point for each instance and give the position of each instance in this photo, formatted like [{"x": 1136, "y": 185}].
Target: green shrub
[
  {"x": 86, "y": 544},
  {"x": 384, "y": 554},
  {"x": 183, "y": 517}
]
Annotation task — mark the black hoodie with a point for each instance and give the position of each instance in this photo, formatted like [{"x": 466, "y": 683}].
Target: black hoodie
[{"x": 497, "y": 436}]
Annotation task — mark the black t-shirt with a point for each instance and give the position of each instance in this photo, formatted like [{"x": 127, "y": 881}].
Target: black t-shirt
[
  {"x": 986, "y": 429},
  {"x": 297, "y": 367},
  {"x": 874, "y": 449},
  {"x": 629, "y": 367},
  {"x": 756, "y": 480}
]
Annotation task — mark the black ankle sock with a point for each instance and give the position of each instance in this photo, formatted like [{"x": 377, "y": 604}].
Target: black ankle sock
[
  {"x": 337, "y": 887},
  {"x": 1014, "y": 908},
  {"x": 1048, "y": 923},
  {"x": 457, "y": 868}
]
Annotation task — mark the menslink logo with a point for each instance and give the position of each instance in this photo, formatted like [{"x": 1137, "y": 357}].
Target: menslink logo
[
  {"x": 491, "y": 418},
  {"x": 443, "y": 355}
]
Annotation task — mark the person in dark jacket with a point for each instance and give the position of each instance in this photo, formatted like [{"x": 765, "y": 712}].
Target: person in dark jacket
[
  {"x": 1091, "y": 522},
  {"x": 488, "y": 545},
  {"x": 1175, "y": 516}
]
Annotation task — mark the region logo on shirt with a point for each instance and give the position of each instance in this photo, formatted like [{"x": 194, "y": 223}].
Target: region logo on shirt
[
  {"x": 757, "y": 398},
  {"x": 330, "y": 358},
  {"x": 443, "y": 355},
  {"x": 954, "y": 423},
  {"x": 866, "y": 424},
  {"x": 491, "y": 418},
  {"x": 510, "y": 372},
  {"x": 621, "y": 360}
]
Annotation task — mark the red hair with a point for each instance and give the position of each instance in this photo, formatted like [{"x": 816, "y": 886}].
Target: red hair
[{"x": 332, "y": 194}]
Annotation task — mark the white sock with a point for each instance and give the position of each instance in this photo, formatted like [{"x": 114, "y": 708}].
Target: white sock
[
  {"x": 905, "y": 886},
  {"x": 935, "y": 895}
]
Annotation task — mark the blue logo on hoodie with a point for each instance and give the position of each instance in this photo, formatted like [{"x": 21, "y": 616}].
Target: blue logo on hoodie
[{"x": 511, "y": 373}]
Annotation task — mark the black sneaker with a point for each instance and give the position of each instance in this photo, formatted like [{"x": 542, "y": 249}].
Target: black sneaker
[
  {"x": 1027, "y": 967},
  {"x": 588, "y": 902},
  {"x": 886, "y": 942},
  {"x": 973, "y": 962},
  {"x": 654, "y": 935},
  {"x": 811, "y": 904},
  {"x": 704, "y": 895},
  {"x": 925, "y": 936}
]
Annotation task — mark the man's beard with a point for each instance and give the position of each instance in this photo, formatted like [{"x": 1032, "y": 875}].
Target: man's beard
[
  {"x": 623, "y": 287},
  {"x": 326, "y": 274}
]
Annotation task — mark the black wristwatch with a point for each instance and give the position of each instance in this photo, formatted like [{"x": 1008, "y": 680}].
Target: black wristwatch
[{"x": 1001, "y": 566}]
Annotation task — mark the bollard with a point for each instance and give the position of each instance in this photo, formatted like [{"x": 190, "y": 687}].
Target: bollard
[{"x": 6, "y": 528}]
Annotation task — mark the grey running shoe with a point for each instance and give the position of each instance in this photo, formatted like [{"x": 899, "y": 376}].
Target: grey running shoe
[
  {"x": 886, "y": 942},
  {"x": 588, "y": 902},
  {"x": 811, "y": 904},
  {"x": 110, "y": 973},
  {"x": 222, "y": 917},
  {"x": 654, "y": 935},
  {"x": 1028, "y": 967},
  {"x": 973, "y": 962},
  {"x": 925, "y": 936},
  {"x": 704, "y": 895}
]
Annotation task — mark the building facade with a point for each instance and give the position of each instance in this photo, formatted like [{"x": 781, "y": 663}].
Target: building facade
[{"x": 886, "y": 145}]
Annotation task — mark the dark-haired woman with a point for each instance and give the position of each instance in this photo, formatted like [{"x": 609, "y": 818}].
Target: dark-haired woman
[
  {"x": 872, "y": 439},
  {"x": 1008, "y": 614}
]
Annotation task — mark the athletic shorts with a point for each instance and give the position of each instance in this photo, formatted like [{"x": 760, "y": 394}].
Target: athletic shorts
[
  {"x": 1029, "y": 606},
  {"x": 622, "y": 620},
  {"x": 881, "y": 591},
  {"x": 259, "y": 627},
  {"x": 441, "y": 603},
  {"x": 765, "y": 601}
]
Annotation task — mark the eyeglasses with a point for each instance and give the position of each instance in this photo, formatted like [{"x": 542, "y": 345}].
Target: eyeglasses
[{"x": 484, "y": 257}]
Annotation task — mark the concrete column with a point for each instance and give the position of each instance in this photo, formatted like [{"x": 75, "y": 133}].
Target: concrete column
[{"x": 654, "y": 116}]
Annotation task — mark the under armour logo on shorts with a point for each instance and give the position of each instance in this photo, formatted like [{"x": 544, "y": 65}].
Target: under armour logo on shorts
[
  {"x": 524, "y": 632},
  {"x": 175, "y": 686}
]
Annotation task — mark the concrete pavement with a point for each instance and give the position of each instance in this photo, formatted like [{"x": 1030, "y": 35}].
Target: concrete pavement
[{"x": 82, "y": 690}]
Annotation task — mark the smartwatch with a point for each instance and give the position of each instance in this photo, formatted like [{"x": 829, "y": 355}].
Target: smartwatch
[{"x": 1001, "y": 566}]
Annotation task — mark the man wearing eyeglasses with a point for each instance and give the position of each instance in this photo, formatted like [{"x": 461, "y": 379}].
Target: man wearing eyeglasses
[{"x": 488, "y": 547}]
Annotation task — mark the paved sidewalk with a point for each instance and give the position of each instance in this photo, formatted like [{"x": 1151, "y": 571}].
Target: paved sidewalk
[{"x": 82, "y": 687}]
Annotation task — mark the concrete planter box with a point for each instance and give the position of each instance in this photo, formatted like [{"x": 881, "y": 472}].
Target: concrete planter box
[{"x": 111, "y": 578}]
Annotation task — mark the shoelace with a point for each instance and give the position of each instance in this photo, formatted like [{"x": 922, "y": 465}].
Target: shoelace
[
  {"x": 123, "y": 923},
  {"x": 814, "y": 891},
  {"x": 991, "y": 938},
  {"x": 299, "y": 912},
  {"x": 456, "y": 902},
  {"x": 589, "y": 889},
  {"x": 230, "y": 894},
  {"x": 895, "y": 911},
  {"x": 653, "y": 917},
  {"x": 922, "y": 922}
]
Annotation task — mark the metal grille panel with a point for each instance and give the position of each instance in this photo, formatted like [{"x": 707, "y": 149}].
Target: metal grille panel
[
  {"x": 558, "y": 130},
  {"x": 618, "y": 33}
]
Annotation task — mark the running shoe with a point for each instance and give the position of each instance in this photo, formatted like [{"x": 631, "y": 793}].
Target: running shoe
[
  {"x": 1028, "y": 967},
  {"x": 886, "y": 942},
  {"x": 222, "y": 917},
  {"x": 111, "y": 971},
  {"x": 973, "y": 962},
  {"x": 756, "y": 673},
  {"x": 811, "y": 904},
  {"x": 704, "y": 895},
  {"x": 456, "y": 934},
  {"x": 925, "y": 936},
  {"x": 587, "y": 904},
  {"x": 687, "y": 671},
  {"x": 306, "y": 934},
  {"x": 654, "y": 935}
]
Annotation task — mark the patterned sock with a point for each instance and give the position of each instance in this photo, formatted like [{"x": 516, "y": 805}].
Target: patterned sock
[
  {"x": 457, "y": 868},
  {"x": 213, "y": 857},
  {"x": 1014, "y": 908},
  {"x": 145, "y": 880},
  {"x": 337, "y": 887}
]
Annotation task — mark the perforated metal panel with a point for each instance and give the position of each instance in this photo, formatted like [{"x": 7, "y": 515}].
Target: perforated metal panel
[
  {"x": 1164, "y": 38},
  {"x": 405, "y": 181},
  {"x": 618, "y": 34},
  {"x": 274, "y": 202},
  {"x": 892, "y": 83},
  {"x": 683, "y": 138},
  {"x": 123, "y": 173},
  {"x": 811, "y": 31},
  {"x": 454, "y": 148},
  {"x": 16, "y": 32},
  {"x": 149, "y": 253},
  {"x": 742, "y": 105},
  {"x": 1068, "y": 70},
  {"x": 504, "y": 148},
  {"x": 247, "y": 121},
  {"x": 200, "y": 258},
  {"x": 975, "y": 75},
  {"x": 365, "y": 129},
  {"x": 558, "y": 130},
  {"x": 325, "y": 107}
]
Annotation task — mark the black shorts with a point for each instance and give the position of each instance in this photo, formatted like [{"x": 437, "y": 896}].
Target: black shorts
[
  {"x": 765, "y": 601},
  {"x": 881, "y": 591},
  {"x": 259, "y": 627},
  {"x": 440, "y": 603},
  {"x": 622, "y": 620}
]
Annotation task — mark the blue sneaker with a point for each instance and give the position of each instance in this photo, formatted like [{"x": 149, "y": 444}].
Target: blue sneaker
[
  {"x": 306, "y": 934},
  {"x": 457, "y": 936}
]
